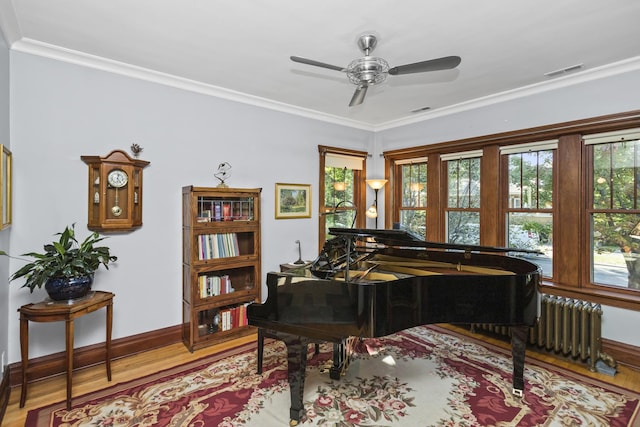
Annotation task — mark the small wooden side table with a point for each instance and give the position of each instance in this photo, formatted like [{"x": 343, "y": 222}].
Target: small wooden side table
[{"x": 54, "y": 311}]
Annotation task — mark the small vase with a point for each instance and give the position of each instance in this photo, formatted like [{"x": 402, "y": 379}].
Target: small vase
[{"x": 64, "y": 289}]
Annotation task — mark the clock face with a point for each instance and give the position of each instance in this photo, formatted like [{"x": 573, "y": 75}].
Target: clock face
[{"x": 117, "y": 178}]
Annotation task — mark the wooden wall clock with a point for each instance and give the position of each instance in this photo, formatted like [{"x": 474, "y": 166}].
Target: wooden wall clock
[{"x": 115, "y": 191}]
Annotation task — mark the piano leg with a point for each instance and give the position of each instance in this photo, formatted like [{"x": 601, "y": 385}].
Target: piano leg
[
  {"x": 518, "y": 349},
  {"x": 296, "y": 367},
  {"x": 338, "y": 360},
  {"x": 260, "y": 349}
]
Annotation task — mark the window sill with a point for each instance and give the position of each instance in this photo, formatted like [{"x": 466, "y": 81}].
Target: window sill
[{"x": 597, "y": 295}]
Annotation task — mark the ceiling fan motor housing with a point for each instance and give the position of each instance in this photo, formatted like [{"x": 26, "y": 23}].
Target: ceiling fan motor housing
[{"x": 368, "y": 69}]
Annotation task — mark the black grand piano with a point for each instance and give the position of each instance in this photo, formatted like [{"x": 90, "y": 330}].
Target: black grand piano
[{"x": 371, "y": 283}]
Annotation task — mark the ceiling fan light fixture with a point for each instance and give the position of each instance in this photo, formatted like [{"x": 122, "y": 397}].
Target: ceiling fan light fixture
[{"x": 368, "y": 69}]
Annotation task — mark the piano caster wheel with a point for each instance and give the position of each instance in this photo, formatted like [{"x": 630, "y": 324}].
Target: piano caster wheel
[
  {"x": 517, "y": 393},
  {"x": 293, "y": 423}
]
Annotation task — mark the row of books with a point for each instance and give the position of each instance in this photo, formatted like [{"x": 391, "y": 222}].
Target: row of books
[
  {"x": 212, "y": 286},
  {"x": 230, "y": 318},
  {"x": 220, "y": 245}
]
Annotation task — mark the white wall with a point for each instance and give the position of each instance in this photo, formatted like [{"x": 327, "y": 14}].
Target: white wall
[
  {"x": 4, "y": 235},
  {"x": 610, "y": 95},
  {"x": 62, "y": 111}
]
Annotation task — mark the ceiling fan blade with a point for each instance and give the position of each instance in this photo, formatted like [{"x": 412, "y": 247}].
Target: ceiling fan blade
[
  {"x": 358, "y": 95},
  {"x": 315, "y": 63},
  {"x": 444, "y": 63}
]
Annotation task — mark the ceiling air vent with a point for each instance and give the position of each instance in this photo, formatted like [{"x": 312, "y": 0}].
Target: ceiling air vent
[
  {"x": 417, "y": 110},
  {"x": 564, "y": 70}
]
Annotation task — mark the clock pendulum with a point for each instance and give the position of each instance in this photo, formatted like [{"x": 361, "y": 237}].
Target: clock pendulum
[
  {"x": 117, "y": 178},
  {"x": 116, "y": 210}
]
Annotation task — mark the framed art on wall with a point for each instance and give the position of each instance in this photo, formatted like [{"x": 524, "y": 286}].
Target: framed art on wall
[
  {"x": 5, "y": 186},
  {"x": 293, "y": 201}
]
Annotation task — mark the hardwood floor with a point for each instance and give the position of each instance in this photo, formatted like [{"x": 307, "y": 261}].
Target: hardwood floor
[{"x": 51, "y": 390}]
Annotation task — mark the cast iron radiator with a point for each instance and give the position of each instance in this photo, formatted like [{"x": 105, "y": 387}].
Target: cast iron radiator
[{"x": 566, "y": 326}]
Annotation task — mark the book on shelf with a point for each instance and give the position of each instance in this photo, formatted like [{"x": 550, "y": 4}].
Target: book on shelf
[
  {"x": 213, "y": 286},
  {"x": 233, "y": 317},
  {"x": 224, "y": 210},
  {"x": 221, "y": 245},
  {"x": 224, "y": 319}
]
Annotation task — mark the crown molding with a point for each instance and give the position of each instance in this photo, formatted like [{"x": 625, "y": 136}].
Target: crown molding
[
  {"x": 38, "y": 48},
  {"x": 46, "y": 50},
  {"x": 615, "y": 68}
]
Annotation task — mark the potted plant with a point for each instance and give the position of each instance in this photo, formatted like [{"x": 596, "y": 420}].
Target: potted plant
[{"x": 66, "y": 267}]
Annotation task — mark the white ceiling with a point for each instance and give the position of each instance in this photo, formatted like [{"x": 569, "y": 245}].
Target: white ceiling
[{"x": 240, "y": 49}]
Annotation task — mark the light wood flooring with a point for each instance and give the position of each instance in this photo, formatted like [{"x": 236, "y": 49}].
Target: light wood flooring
[{"x": 85, "y": 380}]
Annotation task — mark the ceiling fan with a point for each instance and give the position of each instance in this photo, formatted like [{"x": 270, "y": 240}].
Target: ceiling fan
[{"x": 370, "y": 70}]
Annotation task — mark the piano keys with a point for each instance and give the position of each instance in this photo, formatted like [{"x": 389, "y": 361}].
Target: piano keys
[{"x": 372, "y": 283}]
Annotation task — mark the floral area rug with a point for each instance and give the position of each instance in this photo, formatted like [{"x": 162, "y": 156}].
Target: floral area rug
[{"x": 424, "y": 376}]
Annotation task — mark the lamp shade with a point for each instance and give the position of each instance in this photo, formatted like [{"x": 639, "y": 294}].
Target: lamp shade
[
  {"x": 376, "y": 184},
  {"x": 372, "y": 212}
]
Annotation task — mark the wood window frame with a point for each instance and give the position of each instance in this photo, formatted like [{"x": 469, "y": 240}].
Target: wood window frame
[
  {"x": 571, "y": 228},
  {"x": 359, "y": 189},
  {"x": 398, "y": 190},
  {"x": 502, "y": 222},
  {"x": 446, "y": 209}
]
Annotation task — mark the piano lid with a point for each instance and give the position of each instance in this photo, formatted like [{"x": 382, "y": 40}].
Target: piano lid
[
  {"x": 399, "y": 237},
  {"x": 352, "y": 245}
]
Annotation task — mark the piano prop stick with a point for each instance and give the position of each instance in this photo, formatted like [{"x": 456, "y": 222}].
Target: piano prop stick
[{"x": 363, "y": 290}]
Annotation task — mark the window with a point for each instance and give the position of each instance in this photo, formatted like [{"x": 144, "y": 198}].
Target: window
[
  {"x": 463, "y": 197},
  {"x": 529, "y": 200},
  {"x": 342, "y": 200},
  {"x": 413, "y": 182},
  {"x": 338, "y": 197},
  {"x": 570, "y": 190},
  {"x": 614, "y": 213}
]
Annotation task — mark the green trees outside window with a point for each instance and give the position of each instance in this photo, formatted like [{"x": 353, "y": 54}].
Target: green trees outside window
[{"x": 615, "y": 214}]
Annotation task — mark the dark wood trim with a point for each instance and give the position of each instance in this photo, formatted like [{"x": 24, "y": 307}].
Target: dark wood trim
[
  {"x": 324, "y": 149},
  {"x": 322, "y": 219},
  {"x": 622, "y": 353},
  {"x": 602, "y": 296},
  {"x": 598, "y": 124},
  {"x": 53, "y": 364},
  {"x": 5, "y": 392},
  {"x": 437, "y": 200},
  {"x": 567, "y": 235},
  {"x": 490, "y": 197}
]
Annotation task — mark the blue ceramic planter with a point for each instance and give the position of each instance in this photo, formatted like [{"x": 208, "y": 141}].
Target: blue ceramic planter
[{"x": 63, "y": 289}]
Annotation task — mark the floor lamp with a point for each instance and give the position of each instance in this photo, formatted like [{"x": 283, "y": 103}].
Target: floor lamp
[{"x": 376, "y": 184}]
